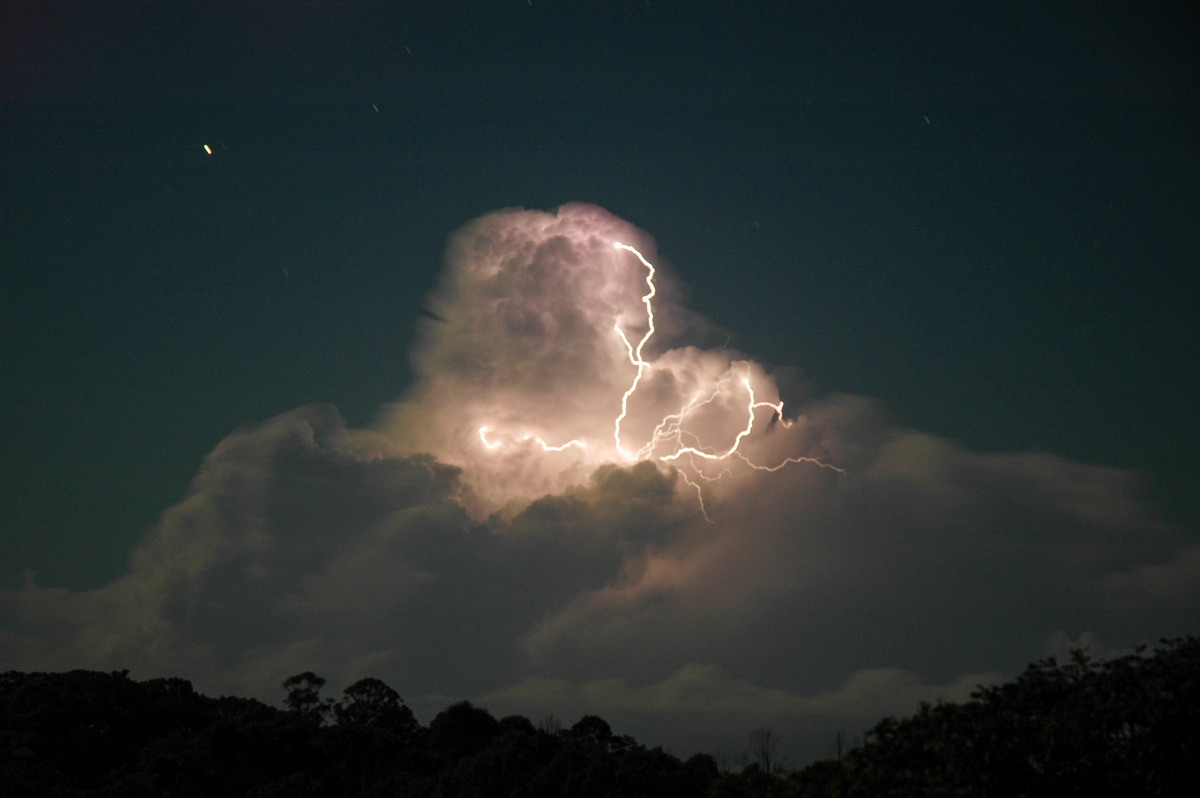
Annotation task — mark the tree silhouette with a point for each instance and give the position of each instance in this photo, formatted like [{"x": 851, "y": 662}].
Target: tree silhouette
[
  {"x": 304, "y": 696},
  {"x": 370, "y": 702},
  {"x": 462, "y": 729},
  {"x": 1128, "y": 726},
  {"x": 764, "y": 749},
  {"x": 1125, "y": 726},
  {"x": 594, "y": 730}
]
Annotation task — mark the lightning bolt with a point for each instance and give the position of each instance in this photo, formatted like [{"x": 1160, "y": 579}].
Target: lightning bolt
[
  {"x": 671, "y": 427},
  {"x": 546, "y": 447},
  {"x": 483, "y": 431},
  {"x": 635, "y": 354},
  {"x": 669, "y": 434}
]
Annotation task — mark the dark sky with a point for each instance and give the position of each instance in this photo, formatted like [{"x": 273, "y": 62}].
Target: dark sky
[{"x": 982, "y": 214}]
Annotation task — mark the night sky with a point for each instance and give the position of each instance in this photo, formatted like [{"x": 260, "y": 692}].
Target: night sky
[{"x": 980, "y": 216}]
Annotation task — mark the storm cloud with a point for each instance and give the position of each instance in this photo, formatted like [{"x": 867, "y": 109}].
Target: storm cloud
[{"x": 680, "y": 597}]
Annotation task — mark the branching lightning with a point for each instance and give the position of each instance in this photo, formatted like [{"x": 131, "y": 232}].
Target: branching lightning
[
  {"x": 671, "y": 427},
  {"x": 670, "y": 441}
]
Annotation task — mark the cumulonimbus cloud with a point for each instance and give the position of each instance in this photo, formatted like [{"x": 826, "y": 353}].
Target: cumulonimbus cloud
[{"x": 874, "y": 566}]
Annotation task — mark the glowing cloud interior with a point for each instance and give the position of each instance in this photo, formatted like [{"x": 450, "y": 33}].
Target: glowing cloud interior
[{"x": 543, "y": 365}]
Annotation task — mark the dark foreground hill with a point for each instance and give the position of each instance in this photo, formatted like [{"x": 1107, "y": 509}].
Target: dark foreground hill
[{"x": 1128, "y": 726}]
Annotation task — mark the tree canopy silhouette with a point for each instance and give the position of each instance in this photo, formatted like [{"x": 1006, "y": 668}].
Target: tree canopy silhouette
[
  {"x": 1123, "y": 726},
  {"x": 1128, "y": 726}
]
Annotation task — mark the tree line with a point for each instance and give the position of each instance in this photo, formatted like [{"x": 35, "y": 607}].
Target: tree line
[{"x": 1127, "y": 726}]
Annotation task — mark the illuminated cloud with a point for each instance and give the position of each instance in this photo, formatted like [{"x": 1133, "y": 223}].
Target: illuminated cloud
[
  {"x": 551, "y": 354},
  {"x": 678, "y": 596}
]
